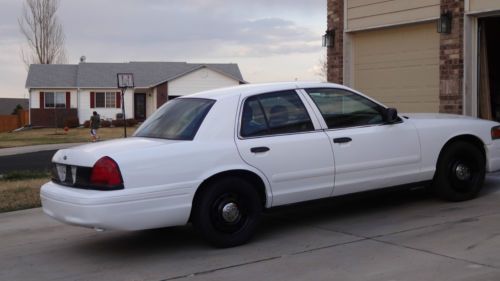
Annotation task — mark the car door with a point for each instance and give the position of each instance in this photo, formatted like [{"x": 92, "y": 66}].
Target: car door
[
  {"x": 277, "y": 136},
  {"x": 368, "y": 153}
]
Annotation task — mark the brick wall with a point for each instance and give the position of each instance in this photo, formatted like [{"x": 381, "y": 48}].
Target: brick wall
[
  {"x": 451, "y": 65},
  {"x": 335, "y": 54},
  {"x": 161, "y": 94},
  {"x": 50, "y": 117}
]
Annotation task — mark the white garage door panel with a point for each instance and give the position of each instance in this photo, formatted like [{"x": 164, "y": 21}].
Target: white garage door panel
[{"x": 399, "y": 66}]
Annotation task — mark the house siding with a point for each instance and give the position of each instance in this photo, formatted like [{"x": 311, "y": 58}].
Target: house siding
[
  {"x": 363, "y": 14},
  {"x": 200, "y": 80},
  {"x": 483, "y": 5},
  {"x": 85, "y": 111}
]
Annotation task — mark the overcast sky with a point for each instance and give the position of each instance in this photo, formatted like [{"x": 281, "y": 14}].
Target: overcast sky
[{"x": 271, "y": 40}]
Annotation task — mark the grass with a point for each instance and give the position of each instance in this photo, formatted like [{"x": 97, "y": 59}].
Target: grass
[
  {"x": 20, "y": 194},
  {"x": 50, "y": 136},
  {"x": 24, "y": 175}
]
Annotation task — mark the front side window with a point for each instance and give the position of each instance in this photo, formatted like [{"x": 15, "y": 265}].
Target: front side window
[
  {"x": 341, "y": 108},
  {"x": 55, "y": 100},
  {"x": 274, "y": 113},
  {"x": 105, "y": 99},
  {"x": 178, "y": 119}
]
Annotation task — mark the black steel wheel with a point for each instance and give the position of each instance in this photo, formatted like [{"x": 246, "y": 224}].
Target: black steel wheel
[
  {"x": 227, "y": 212},
  {"x": 460, "y": 172}
]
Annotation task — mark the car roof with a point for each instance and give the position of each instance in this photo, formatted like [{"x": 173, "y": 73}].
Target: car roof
[{"x": 250, "y": 89}]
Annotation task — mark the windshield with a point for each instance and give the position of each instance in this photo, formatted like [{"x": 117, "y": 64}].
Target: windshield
[{"x": 178, "y": 119}]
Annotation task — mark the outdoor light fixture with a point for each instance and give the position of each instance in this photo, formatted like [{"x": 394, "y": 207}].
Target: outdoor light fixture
[
  {"x": 444, "y": 23},
  {"x": 329, "y": 38}
]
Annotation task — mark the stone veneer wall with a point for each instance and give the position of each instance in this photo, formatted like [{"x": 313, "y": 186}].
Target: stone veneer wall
[
  {"x": 451, "y": 60},
  {"x": 335, "y": 54}
]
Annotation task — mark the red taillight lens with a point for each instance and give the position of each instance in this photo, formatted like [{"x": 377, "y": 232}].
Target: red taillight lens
[
  {"x": 495, "y": 133},
  {"x": 106, "y": 173}
]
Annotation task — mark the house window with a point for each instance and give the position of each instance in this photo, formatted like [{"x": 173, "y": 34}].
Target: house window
[
  {"x": 55, "y": 100},
  {"x": 105, "y": 99}
]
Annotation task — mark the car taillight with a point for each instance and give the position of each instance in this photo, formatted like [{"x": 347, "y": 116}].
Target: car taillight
[
  {"x": 106, "y": 173},
  {"x": 495, "y": 132}
]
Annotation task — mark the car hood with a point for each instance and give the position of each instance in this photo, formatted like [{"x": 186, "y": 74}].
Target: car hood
[{"x": 86, "y": 155}]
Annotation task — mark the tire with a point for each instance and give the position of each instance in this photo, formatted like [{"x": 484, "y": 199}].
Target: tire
[
  {"x": 460, "y": 172},
  {"x": 227, "y": 212}
]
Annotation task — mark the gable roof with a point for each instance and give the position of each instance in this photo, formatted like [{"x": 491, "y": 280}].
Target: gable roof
[{"x": 103, "y": 75}]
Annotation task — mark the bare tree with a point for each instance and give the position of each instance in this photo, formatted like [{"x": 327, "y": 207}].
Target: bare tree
[
  {"x": 43, "y": 32},
  {"x": 322, "y": 68}
]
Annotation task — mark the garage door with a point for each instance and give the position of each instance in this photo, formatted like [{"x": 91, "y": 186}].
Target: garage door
[{"x": 399, "y": 66}]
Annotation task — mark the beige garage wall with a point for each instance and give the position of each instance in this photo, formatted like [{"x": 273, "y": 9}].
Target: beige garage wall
[
  {"x": 483, "y": 5},
  {"x": 362, "y": 14},
  {"x": 399, "y": 66}
]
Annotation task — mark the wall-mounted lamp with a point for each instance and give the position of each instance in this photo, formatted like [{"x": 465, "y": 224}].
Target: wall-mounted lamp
[
  {"x": 329, "y": 38},
  {"x": 444, "y": 23}
]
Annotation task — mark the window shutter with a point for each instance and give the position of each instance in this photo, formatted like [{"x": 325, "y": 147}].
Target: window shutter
[
  {"x": 68, "y": 100},
  {"x": 118, "y": 100},
  {"x": 42, "y": 100},
  {"x": 92, "y": 99}
]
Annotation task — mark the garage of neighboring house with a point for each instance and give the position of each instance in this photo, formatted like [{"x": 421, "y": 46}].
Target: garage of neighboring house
[{"x": 393, "y": 51}]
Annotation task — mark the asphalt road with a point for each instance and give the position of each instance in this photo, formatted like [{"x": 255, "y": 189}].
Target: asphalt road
[
  {"x": 404, "y": 235},
  {"x": 34, "y": 161}
]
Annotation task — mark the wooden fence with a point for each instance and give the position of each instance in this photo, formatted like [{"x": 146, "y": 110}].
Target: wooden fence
[{"x": 11, "y": 122}]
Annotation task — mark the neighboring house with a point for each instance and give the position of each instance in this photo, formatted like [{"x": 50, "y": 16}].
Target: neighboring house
[
  {"x": 392, "y": 51},
  {"x": 59, "y": 92},
  {"x": 7, "y": 105}
]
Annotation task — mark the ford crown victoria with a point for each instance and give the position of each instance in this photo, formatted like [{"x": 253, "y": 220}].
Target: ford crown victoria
[{"x": 219, "y": 158}]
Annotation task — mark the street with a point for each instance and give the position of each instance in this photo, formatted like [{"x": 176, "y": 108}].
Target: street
[
  {"x": 29, "y": 158},
  {"x": 392, "y": 235},
  {"x": 33, "y": 161}
]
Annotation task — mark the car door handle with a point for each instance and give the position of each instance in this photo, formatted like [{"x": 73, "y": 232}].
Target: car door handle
[
  {"x": 259, "y": 149},
  {"x": 342, "y": 140}
]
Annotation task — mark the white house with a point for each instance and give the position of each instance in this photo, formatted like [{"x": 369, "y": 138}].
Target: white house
[{"x": 59, "y": 92}]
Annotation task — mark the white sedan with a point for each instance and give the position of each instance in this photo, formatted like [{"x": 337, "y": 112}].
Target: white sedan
[{"x": 219, "y": 158}]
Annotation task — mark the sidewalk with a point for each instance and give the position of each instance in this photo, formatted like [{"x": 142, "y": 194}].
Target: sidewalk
[{"x": 35, "y": 148}]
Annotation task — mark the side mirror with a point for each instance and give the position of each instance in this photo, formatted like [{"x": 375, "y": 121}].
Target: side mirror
[{"x": 390, "y": 115}]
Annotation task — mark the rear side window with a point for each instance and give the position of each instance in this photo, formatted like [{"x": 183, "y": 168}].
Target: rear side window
[
  {"x": 274, "y": 113},
  {"x": 178, "y": 119}
]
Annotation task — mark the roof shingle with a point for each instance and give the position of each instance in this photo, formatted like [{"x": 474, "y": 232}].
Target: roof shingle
[{"x": 103, "y": 75}]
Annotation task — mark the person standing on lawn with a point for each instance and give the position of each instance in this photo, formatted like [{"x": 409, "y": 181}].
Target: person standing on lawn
[{"x": 95, "y": 122}]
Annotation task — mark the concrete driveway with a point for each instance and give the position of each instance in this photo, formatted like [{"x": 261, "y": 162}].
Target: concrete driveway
[{"x": 397, "y": 235}]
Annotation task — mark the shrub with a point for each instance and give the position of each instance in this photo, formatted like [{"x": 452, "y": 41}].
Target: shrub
[
  {"x": 119, "y": 122},
  {"x": 71, "y": 122},
  {"x": 105, "y": 124},
  {"x": 16, "y": 109}
]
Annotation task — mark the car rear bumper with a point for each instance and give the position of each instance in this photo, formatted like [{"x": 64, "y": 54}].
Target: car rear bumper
[
  {"x": 118, "y": 210},
  {"x": 493, "y": 156}
]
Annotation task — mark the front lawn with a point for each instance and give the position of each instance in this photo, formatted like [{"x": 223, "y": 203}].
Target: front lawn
[
  {"x": 50, "y": 136},
  {"x": 20, "y": 194}
]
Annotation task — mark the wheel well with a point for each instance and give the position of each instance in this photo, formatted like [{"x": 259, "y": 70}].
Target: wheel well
[
  {"x": 251, "y": 177},
  {"x": 466, "y": 138}
]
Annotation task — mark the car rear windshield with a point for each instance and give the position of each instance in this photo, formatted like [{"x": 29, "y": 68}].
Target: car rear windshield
[{"x": 178, "y": 119}]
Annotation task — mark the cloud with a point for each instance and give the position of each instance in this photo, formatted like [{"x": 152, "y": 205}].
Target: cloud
[
  {"x": 269, "y": 39},
  {"x": 186, "y": 28}
]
